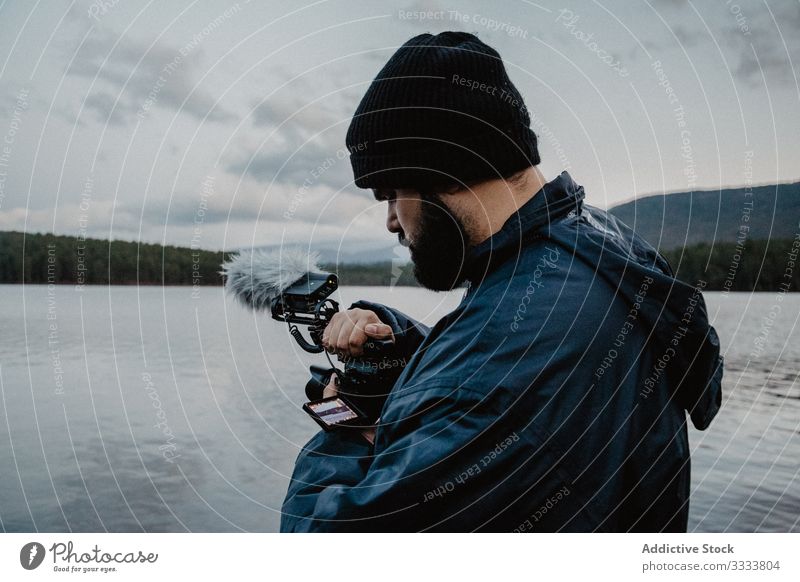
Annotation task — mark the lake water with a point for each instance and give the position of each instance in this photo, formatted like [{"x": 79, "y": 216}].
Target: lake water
[{"x": 148, "y": 409}]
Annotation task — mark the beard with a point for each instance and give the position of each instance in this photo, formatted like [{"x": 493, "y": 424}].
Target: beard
[{"x": 440, "y": 246}]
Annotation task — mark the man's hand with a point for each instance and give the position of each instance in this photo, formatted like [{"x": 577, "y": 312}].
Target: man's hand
[
  {"x": 349, "y": 330},
  {"x": 345, "y": 336}
]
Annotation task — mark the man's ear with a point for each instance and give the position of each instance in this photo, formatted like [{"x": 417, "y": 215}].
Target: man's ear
[{"x": 454, "y": 189}]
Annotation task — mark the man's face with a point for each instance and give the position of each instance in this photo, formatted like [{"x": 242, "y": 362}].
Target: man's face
[{"x": 435, "y": 235}]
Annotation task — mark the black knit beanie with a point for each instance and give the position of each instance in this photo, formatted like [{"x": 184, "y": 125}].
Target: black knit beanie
[{"x": 441, "y": 112}]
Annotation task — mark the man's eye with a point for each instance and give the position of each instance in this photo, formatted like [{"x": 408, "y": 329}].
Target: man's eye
[{"x": 387, "y": 195}]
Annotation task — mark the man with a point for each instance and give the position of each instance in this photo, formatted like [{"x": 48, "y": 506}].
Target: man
[{"x": 554, "y": 398}]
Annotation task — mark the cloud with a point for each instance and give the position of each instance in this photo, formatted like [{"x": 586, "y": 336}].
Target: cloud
[
  {"x": 762, "y": 51},
  {"x": 225, "y": 200},
  {"x": 226, "y": 217},
  {"x": 296, "y": 114},
  {"x": 687, "y": 37},
  {"x": 68, "y": 219},
  {"x": 135, "y": 77},
  {"x": 314, "y": 164},
  {"x": 109, "y": 109},
  {"x": 305, "y": 139},
  {"x": 751, "y": 41}
]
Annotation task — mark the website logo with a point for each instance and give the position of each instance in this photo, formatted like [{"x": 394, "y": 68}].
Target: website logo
[{"x": 31, "y": 555}]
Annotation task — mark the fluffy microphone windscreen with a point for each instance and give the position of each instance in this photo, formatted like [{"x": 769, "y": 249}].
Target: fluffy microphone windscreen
[{"x": 257, "y": 277}]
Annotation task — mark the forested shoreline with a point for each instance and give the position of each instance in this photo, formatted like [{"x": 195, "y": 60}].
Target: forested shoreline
[{"x": 752, "y": 265}]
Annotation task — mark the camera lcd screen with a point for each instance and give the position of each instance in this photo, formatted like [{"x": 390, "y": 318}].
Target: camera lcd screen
[{"x": 333, "y": 411}]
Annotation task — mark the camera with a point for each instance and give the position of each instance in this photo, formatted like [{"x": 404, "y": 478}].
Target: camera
[{"x": 365, "y": 382}]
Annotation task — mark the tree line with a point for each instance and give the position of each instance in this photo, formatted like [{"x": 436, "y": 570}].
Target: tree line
[
  {"x": 48, "y": 258},
  {"x": 755, "y": 265}
]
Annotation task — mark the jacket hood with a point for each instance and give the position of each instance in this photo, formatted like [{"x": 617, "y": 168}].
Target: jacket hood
[{"x": 673, "y": 312}]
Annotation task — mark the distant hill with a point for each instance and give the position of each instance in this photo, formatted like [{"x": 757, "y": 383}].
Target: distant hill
[
  {"x": 354, "y": 256},
  {"x": 675, "y": 220}
]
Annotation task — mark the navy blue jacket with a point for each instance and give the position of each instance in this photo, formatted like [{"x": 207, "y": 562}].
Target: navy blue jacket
[{"x": 553, "y": 398}]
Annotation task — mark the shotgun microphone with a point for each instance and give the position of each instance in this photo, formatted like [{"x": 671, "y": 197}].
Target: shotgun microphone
[{"x": 291, "y": 285}]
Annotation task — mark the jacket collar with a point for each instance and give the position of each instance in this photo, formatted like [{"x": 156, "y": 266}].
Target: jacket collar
[{"x": 550, "y": 204}]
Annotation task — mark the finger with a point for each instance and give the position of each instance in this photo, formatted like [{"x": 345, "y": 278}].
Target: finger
[
  {"x": 331, "y": 334},
  {"x": 369, "y": 434},
  {"x": 357, "y": 340},
  {"x": 343, "y": 339},
  {"x": 379, "y": 331},
  {"x": 332, "y": 389}
]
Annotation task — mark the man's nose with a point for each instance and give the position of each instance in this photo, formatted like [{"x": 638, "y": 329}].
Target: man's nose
[{"x": 392, "y": 224}]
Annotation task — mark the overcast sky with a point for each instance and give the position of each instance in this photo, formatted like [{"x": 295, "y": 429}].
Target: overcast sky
[{"x": 221, "y": 124}]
